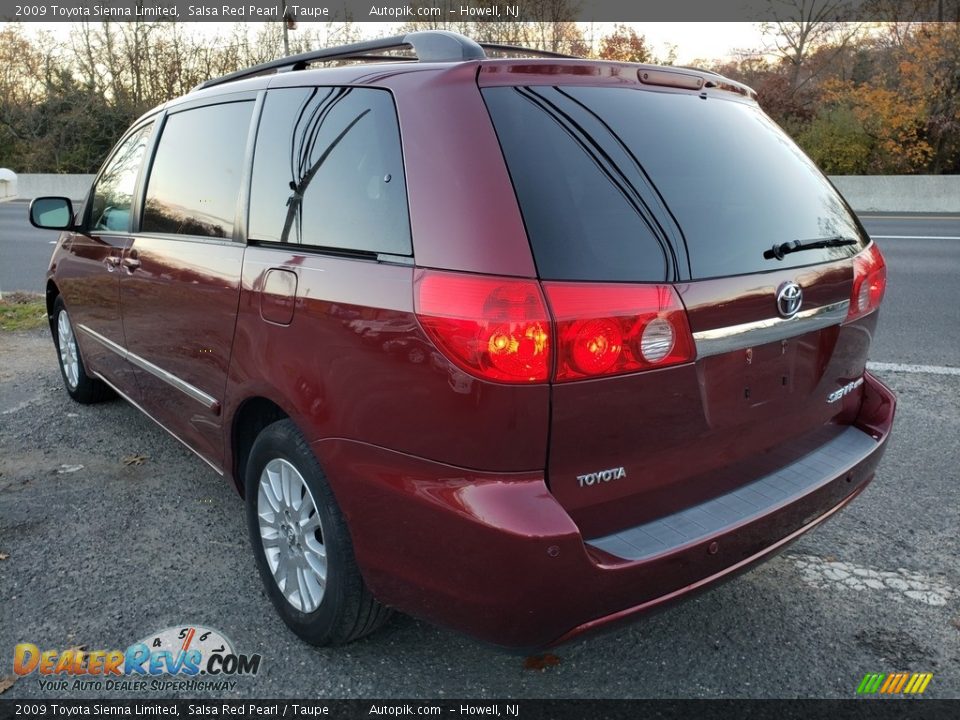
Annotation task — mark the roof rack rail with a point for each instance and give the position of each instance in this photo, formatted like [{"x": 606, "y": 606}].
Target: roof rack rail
[
  {"x": 518, "y": 50},
  {"x": 428, "y": 45}
]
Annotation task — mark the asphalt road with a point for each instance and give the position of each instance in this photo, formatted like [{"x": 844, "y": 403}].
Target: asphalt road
[
  {"x": 107, "y": 553},
  {"x": 921, "y": 318},
  {"x": 24, "y": 251}
]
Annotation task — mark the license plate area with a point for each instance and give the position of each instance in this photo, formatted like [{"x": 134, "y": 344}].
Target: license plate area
[
  {"x": 756, "y": 383},
  {"x": 770, "y": 372}
]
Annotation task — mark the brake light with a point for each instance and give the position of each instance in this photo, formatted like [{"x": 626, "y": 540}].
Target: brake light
[
  {"x": 492, "y": 327},
  {"x": 869, "y": 282},
  {"x": 500, "y": 329},
  {"x": 605, "y": 329}
]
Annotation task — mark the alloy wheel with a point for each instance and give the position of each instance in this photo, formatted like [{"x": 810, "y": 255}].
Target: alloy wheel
[
  {"x": 292, "y": 535},
  {"x": 69, "y": 358}
]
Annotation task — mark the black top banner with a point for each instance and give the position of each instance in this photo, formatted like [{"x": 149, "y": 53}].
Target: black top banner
[{"x": 440, "y": 11}]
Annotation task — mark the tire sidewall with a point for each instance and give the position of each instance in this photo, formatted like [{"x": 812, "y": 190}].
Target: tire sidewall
[{"x": 281, "y": 440}]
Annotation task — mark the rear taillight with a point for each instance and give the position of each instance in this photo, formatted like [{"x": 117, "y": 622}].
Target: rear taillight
[
  {"x": 494, "y": 328},
  {"x": 605, "y": 329},
  {"x": 499, "y": 328},
  {"x": 869, "y": 282}
]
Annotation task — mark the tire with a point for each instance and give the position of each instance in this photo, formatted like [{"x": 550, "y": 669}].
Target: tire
[
  {"x": 80, "y": 386},
  {"x": 298, "y": 533}
]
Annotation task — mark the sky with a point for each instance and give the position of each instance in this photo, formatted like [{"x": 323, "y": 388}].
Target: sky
[
  {"x": 697, "y": 40},
  {"x": 693, "y": 40}
]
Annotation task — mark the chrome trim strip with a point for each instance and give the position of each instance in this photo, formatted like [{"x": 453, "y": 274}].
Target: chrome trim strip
[
  {"x": 739, "y": 337},
  {"x": 196, "y": 393},
  {"x": 171, "y": 432}
]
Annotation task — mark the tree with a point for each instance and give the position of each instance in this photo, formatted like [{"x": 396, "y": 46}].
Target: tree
[
  {"x": 625, "y": 45},
  {"x": 930, "y": 79},
  {"x": 907, "y": 107},
  {"x": 837, "y": 141},
  {"x": 808, "y": 27}
]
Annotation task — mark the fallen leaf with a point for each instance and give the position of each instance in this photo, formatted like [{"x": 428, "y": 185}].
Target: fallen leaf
[
  {"x": 955, "y": 621},
  {"x": 134, "y": 459},
  {"x": 6, "y": 683},
  {"x": 4, "y": 556},
  {"x": 541, "y": 662}
]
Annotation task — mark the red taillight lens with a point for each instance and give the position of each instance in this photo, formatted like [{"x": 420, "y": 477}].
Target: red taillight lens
[
  {"x": 610, "y": 329},
  {"x": 492, "y": 327},
  {"x": 869, "y": 282}
]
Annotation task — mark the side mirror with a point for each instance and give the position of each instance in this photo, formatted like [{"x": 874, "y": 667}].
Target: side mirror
[{"x": 51, "y": 213}]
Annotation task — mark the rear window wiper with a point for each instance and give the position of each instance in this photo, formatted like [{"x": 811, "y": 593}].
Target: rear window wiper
[{"x": 779, "y": 250}]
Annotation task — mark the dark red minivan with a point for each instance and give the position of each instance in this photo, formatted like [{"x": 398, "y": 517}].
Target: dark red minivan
[{"x": 522, "y": 346}]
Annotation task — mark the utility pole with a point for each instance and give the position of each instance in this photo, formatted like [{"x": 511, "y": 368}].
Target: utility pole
[{"x": 289, "y": 23}]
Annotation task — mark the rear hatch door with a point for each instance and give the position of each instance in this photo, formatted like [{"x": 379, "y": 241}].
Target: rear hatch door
[{"x": 690, "y": 191}]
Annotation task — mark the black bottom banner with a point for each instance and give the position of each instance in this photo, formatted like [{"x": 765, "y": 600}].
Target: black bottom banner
[{"x": 527, "y": 709}]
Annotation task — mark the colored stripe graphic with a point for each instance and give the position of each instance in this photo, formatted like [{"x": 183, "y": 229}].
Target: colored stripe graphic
[
  {"x": 871, "y": 683},
  {"x": 891, "y": 681},
  {"x": 894, "y": 683},
  {"x": 922, "y": 685}
]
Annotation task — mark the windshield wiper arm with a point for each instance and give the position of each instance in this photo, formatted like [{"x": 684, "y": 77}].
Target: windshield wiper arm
[{"x": 779, "y": 250}]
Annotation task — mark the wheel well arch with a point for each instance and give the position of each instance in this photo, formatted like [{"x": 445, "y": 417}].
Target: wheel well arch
[
  {"x": 253, "y": 415},
  {"x": 52, "y": 293}
]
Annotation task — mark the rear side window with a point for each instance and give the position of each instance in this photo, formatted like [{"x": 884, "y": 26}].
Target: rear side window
[
  {"x": 735, "y": 183},
  {"x": 584, "y": 214},
  {"x": 328, "y": 171},
  {"x": 195, "y": 180}
]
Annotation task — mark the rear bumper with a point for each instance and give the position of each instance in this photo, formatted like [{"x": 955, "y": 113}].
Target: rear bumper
[{"x": 496, "y": 556}]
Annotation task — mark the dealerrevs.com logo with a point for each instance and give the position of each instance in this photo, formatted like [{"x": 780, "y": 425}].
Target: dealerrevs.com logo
[{"x": 187, "y": 658}]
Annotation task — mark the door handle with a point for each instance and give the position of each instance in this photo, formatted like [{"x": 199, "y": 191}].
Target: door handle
[{"x": 132, "y": 261}]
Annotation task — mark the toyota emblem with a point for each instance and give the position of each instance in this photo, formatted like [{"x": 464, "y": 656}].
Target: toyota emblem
[{"x": 789, "y": 298}]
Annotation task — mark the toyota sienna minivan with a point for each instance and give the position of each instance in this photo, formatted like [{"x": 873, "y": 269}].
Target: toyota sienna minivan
[{"x": 524, "y": 346}]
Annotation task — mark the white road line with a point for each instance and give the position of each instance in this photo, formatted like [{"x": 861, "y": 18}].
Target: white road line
[
  {"x": 917, "y": 369},
  {"x": 915, "y": 237},
  {"x": 908, "y": 218},
  {"x": 902, "y": 584}
]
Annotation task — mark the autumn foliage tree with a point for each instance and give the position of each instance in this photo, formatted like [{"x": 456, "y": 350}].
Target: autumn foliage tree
[
  {"x": 626, "y": 45},
  {"x": 887, "y": 101},
  {"x": 903, "y": 120}
]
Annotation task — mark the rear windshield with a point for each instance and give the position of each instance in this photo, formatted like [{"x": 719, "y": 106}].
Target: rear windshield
[{"x": 601, "y": 174}]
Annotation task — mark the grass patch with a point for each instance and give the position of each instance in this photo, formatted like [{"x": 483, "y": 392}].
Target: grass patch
[{"x": 22, "y": 311}]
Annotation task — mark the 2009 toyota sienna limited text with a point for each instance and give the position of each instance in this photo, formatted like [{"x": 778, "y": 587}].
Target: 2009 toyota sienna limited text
[{"x": 522, "y": 346}]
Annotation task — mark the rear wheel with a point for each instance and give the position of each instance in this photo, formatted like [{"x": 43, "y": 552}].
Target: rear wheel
[
  {"x": 81, "y": 387},
  {"x": 301, "y": 542}
]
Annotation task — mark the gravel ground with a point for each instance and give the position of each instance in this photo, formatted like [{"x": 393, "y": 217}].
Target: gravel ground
[{"x": 104, "y": 554}]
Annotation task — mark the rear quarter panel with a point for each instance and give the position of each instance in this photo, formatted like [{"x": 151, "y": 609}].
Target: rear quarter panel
[{"x": 355, "y": 364}]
